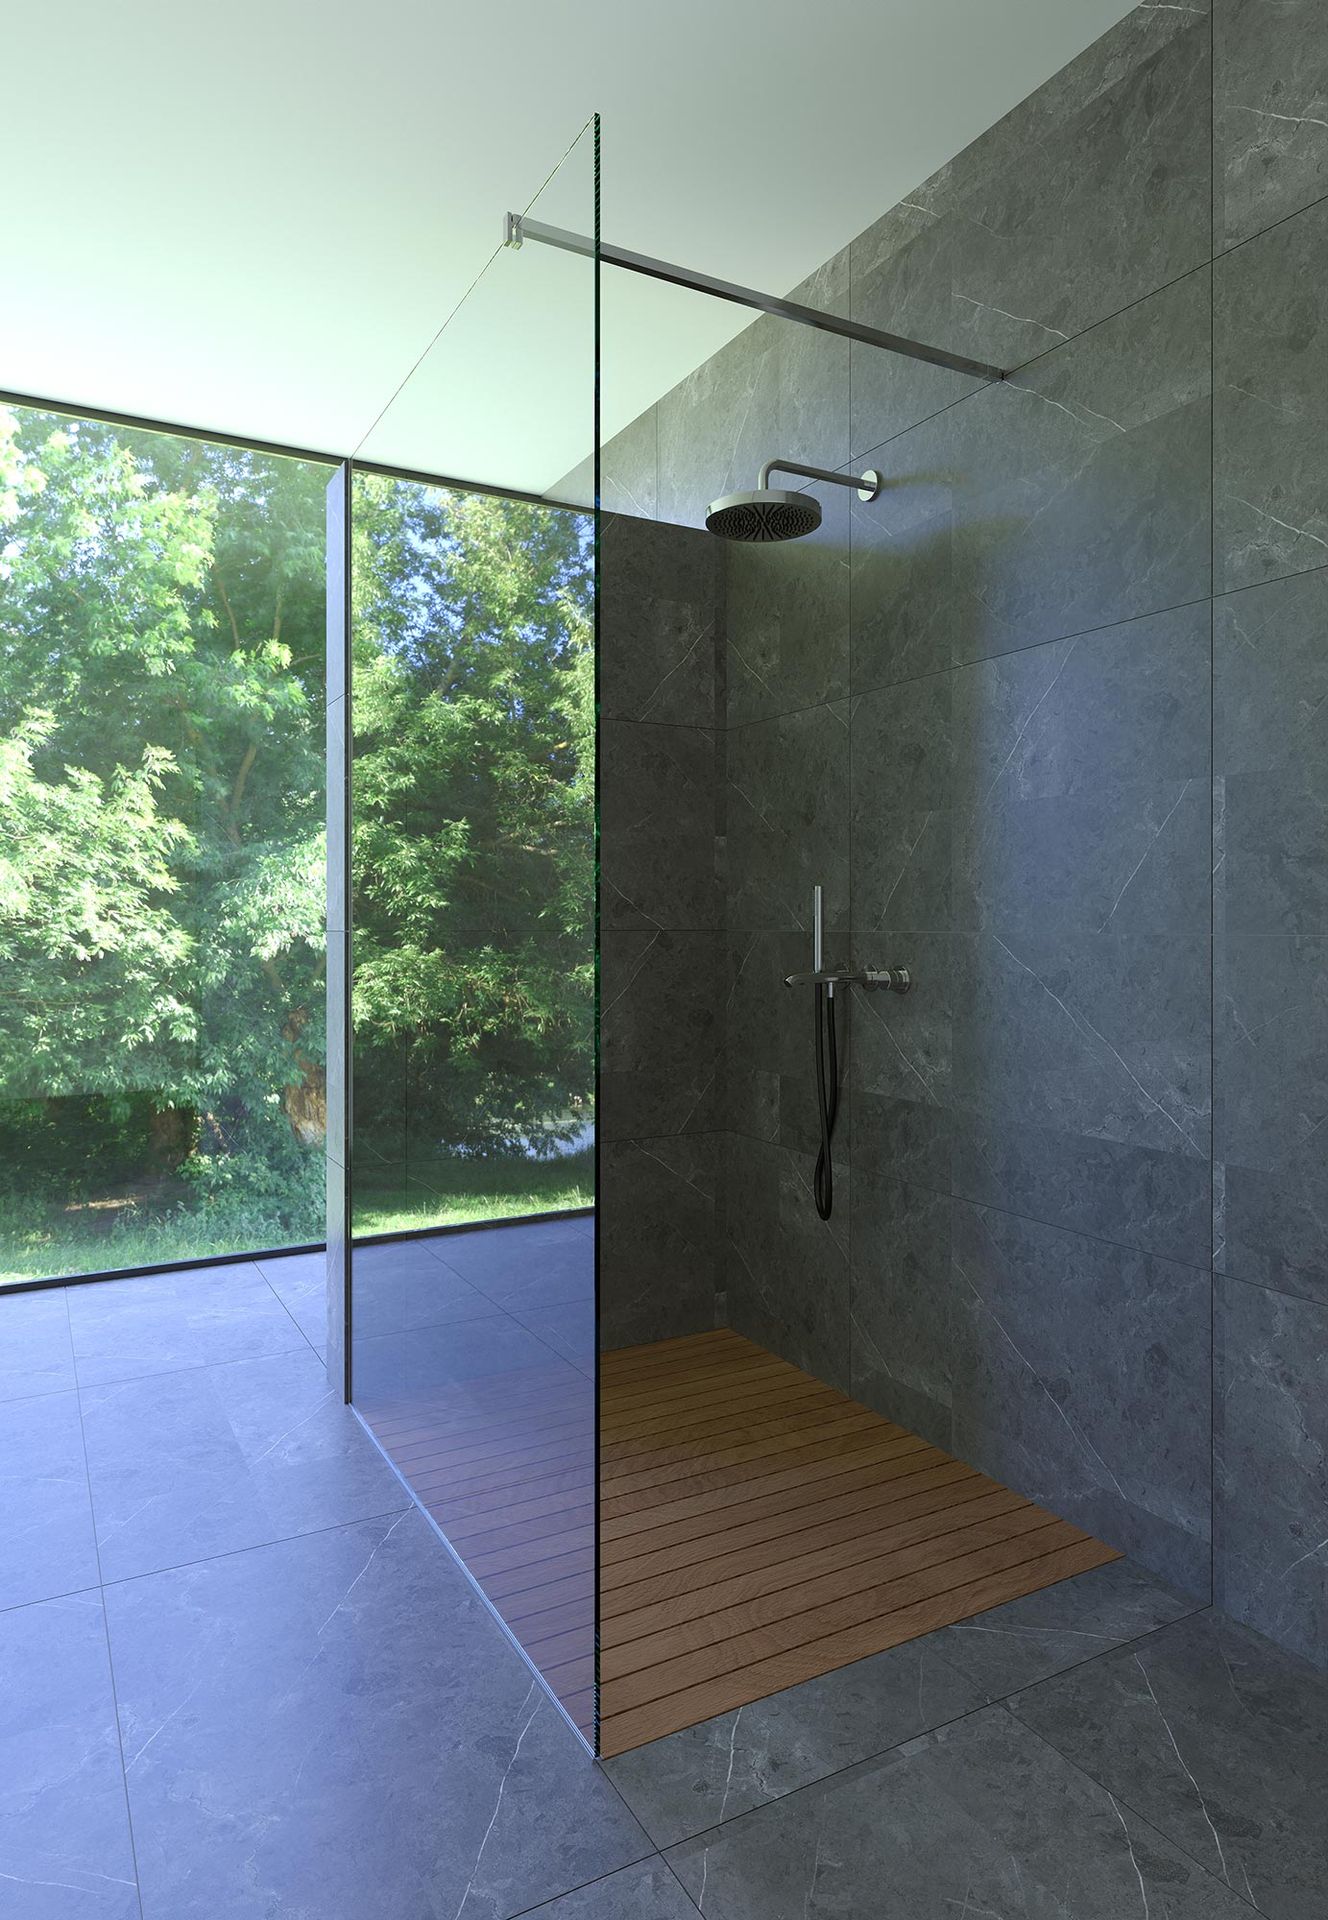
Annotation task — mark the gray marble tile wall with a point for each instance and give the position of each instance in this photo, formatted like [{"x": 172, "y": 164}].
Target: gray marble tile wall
[
  {"x": 1044, "y": 720},
  {"x": 661, "y": 921}
]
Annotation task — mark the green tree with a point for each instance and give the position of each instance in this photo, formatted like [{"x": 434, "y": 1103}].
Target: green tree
[
  {"x": 162, "y": 827},
  {"x": 473, "y": 849},
  {"x": 163, "y": 761}
]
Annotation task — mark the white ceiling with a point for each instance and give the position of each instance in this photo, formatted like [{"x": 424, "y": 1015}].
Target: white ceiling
[{"x": 254, "y": 216}]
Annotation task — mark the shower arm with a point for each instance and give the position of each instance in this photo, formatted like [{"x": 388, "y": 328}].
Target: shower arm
[{"x": 867, "y": 484}]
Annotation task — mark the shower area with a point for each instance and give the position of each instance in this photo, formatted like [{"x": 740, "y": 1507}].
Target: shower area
[{"x": 944, "y": 943}]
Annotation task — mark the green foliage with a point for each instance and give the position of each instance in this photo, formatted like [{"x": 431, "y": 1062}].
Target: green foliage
[
  {"x": 161, "y": 807},
  {"x": 162, "y": 845},
  {"x": 473, "y": 851}
]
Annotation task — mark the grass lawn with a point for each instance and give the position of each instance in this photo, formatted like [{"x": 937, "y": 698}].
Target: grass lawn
[
  {"x": 444, "y": 1193},
  {"x": 39, "y": 1240}
]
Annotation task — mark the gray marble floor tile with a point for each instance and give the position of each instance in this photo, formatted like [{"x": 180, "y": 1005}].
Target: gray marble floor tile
[
  {"x": 47, "y": 1545},
  {"x": 569, "y": 1328},
  {"x": 388, "y": 1297},
  {"x": 647, "y": 1891},
  {"x": 681, "y": 1785},
  {"x": 979, "y": 1818},
  {"x": 65, "y": 1846},
  {"x": 390, "y": 1366},
  {"x": 299, "y": 1281},
  {"x": 519, "y": 1267},
  {"x": 186, "y": 1465},
  {"x": 336, "y": 1726},
  {"x": 36, "y": 1353},
  {"x": 1220, "y": 1741},
  {"x": 1062, "y": 1626},
  {"x": 161, "y": 1322}
]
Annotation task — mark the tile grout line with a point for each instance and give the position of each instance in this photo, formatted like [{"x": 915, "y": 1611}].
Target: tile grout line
[
  {"x": 197, "y": 1366},
  {"x": 1212, "y": 805},
  {"x": 105, "y": 1620},
  {"x": 259, "y": 1546},
  {"x": 1032, "y": 1219},
  {"x": 1118, "y": 1800},
  {"x": 601, "y": 1879},
  {"x": 994, "y": 1703},
  {"x": 979, "y": 661},
  {"x": 289, "y": 1315}
]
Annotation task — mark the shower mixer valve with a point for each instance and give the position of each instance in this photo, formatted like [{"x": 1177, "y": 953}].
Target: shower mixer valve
[
  {"x": 823, "y": 980},
  {"x": 882, "y": 979}
]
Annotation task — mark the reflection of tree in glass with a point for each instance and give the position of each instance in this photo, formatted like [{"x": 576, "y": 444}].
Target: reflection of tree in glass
[{"x": 474, "y": 826}]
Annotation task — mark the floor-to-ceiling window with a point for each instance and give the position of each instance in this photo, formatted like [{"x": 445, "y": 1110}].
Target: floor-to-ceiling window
[{"x": 161, "y": 847}]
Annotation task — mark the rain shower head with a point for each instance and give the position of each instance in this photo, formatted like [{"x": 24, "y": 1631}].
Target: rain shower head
[
  {"x": 774, "y": 513},
  {"x": 769, "y": 513}
]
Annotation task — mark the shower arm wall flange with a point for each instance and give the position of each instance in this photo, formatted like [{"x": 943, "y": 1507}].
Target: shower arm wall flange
[
  {"x": 868, "y": 484},
  {"x": 518, "y": 227}
]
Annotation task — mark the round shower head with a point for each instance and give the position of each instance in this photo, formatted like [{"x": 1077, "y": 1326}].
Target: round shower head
[{"x": 767, "y": 513}]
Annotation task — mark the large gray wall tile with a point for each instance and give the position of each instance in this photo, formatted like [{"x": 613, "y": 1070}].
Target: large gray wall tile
[
  {"x": 903, "y": 1304},
  {"x": 657, "y": 826},
  {"x": 660, "y": 1035},
  {"x": 1081, "y": 1376},
  {"x": 786, "y": 808},
  {"x": 1271, "y": 1096},
  {"x": 658, "y": 622},
  {"x": 1271, "y": 1042},
  {"x": 1270, "y": 403},
  {"x": 1272, "y": 1464},
  {"x": 785, "y": 1270},
  {"x": 1000, "y": 259},
  {"x": 769, "y": 1061},
  {"x": 1081, "y": 491},
  {"x": 787, "y": 617},
  {"x": 1270, "y": 124},
  {"x": 658, "y": 1246}
]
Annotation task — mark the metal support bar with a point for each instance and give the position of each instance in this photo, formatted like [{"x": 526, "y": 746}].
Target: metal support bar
[{"x": 518, "y": 228}]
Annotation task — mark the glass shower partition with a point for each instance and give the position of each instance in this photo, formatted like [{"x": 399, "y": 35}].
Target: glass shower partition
[{"x": 463, "y": 971}]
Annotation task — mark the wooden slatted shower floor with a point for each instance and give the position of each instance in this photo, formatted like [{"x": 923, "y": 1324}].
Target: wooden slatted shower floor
[{"x": 758, "y": 1528}]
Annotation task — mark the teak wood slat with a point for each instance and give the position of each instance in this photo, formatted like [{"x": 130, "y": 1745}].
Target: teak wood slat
[{"x": 758, "y": 1529}]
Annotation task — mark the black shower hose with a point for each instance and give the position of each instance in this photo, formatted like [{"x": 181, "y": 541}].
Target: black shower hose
[{"x": 827, "y": 1098}]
